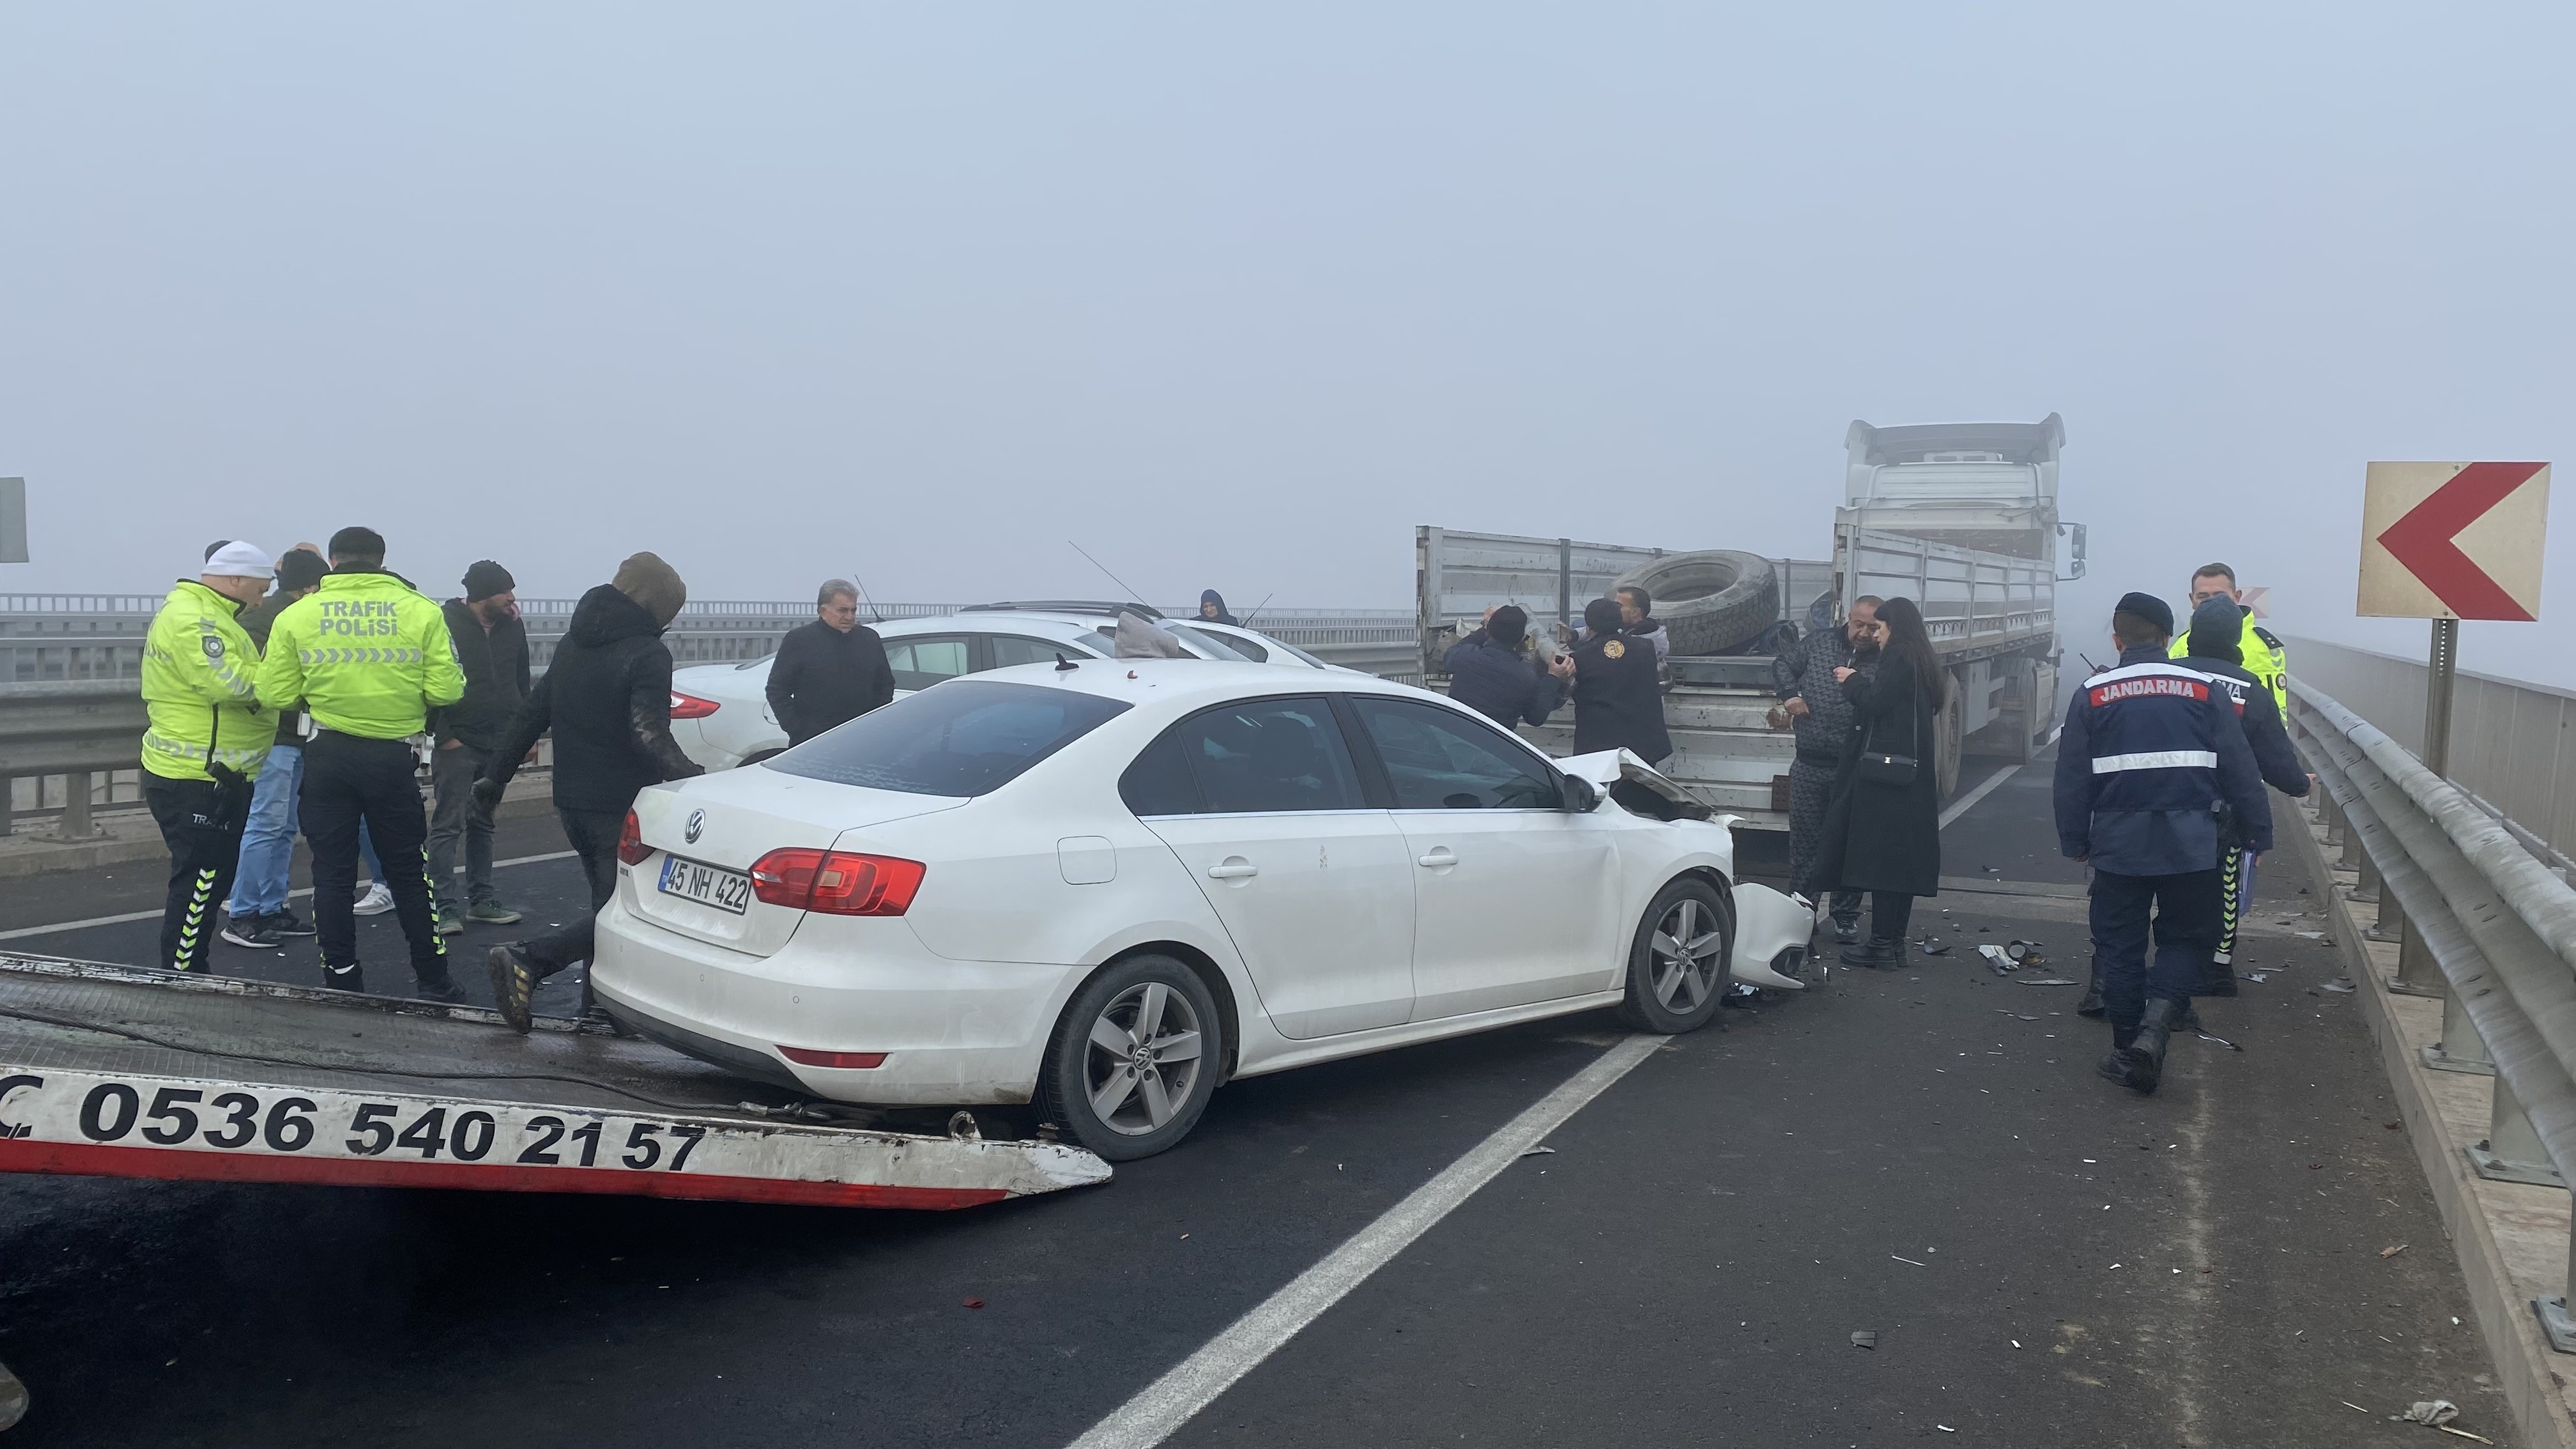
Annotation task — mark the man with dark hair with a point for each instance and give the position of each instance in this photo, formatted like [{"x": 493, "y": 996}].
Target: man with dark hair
[
  {"x": 831, "y": 671},
  {"x": 257, "y": 915},
  {"x": 2258, "y": 650},
  {"x": 1821, "y": 715},
  {"x": 2152, "y": 771},
  {"x": 492, "y": 651},
  {"x": 1490, "y": 673},
  {"x": 607, "y": 697},
  {"x": 1637, "y": 618},
  {"x": 1618, "y": 697},
  {"x": 369, "y": 658}
]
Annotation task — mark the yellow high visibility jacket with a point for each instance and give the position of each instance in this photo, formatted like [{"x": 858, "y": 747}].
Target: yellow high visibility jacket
[
  {"x": 2264, "y": 658},
  {"x": 198, "y": 672},
  {"x": 366, "y": 653}
]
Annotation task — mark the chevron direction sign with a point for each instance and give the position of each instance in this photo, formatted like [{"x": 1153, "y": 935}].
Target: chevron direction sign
[{"x": 2453, "y": 540}]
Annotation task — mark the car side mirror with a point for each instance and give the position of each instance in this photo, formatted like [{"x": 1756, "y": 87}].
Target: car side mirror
[{"x": 1582, "y": 797}]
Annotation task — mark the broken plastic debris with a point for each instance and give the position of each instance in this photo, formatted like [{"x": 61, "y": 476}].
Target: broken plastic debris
[
  {"x": 1540, "y": 1152},
  {"x": 2433, "y": 1412},
  {"x": 1931, "y": 946},
  {"x": 2339, "y": 987},
  {"x": 2044, "y": 981},
  {"x": 2311, "y": 935},
  {"x": 2024, "y": 951},
  {"x": 1909, "y": 1260},
  {"x": 2393, "y": 1250},
  {"x": 1864, "y": 1339},
  {"x": 2004, "y": 965},
  {"x": 2258, "y": 977},
  {"x": 974, "y": 1302},
  {"x": 2222, "y": 1041},
  {"x": 2015, "y": 1015}
]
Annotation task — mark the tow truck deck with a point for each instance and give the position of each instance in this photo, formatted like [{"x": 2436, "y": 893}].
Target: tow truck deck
[{"x": 122, "y": 1071}]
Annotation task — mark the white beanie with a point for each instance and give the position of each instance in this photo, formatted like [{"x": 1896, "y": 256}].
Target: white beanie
[{"x": 238, "y": 561}]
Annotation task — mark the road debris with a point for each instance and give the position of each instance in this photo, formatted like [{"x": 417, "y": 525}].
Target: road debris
[
  {"x": 974, "y": 1302},
  {"x": 1931, "y": 946},
  {"x": 2045, "y": 981},
  {"x": 1910, "y": 1260},
  {"x": 2258, "y": 977},
  {"x": 2003, "y": 965},
  {"x": 2393, "y": 1251},
  {"x": 2222, "y": 1041},
  {"x": 2463, "y": 1433},
  {"x": 1540, "y": 1151},
  {"x": 1864, "y": 1339},
  {"x": 2015, "y": 1015},
  {"x": 2433, "y": 1413}
]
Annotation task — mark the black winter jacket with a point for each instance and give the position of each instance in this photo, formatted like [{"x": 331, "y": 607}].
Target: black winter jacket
[
  {"x": 1504, "y": 686},
  {"x": 496, "y": 677},
  {"x": 823, "y": 678},
  {"x": 1880, "y": 837},
  {"x": 1618, "y": 698},
  {"x": 607, "y": 698},
  {"x": 2274, "y": 755}
]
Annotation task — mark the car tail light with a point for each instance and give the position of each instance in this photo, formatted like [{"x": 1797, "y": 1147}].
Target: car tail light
[
  {"x": 836, "y": 882},
  {"x": 630, "y": 841},
  {"x": 847, "y": 1061},
  {"x": 689, "y": 706}
]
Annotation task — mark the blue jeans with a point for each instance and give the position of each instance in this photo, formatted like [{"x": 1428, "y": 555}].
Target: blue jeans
[{"x": 268, "y": 841}]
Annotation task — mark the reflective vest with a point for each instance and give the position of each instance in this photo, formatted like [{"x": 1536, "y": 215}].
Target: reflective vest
[
  {"x": 198, "y": 671},
  {"x": 2260, "y": 654},
  {"x": 366, "y": 653}
]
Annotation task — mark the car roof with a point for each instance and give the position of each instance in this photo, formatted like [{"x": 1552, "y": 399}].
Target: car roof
[
  {"x": 990, "y": 621},
  {"x": 1187, "y": 684}
]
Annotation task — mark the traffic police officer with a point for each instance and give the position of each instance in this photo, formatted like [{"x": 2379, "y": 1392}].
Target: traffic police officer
[
  {"x": 205, "y": 740},
  {"x": 369, "y": 657},
  {"x": 2152, "y": 771},
  {"x": 2213, "y": 652},
  {"x": 2258, "y": 650}
]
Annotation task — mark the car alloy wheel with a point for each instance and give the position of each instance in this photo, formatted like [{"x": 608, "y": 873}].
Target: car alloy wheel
[
  {"x": 1134, "y": 1059},
  {"x": 1686, "y": 954},
  {"x": 1677, "y": 964}
]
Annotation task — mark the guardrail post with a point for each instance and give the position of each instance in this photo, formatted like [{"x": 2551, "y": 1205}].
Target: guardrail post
[
  {"x": 2461, "y": 1049},
  {"x": 2391, "y": 922},
  {"x": 2417, "y": 974},
  {"x": 2555, "y": 1321},
  {"x": 8, "y": 803},
  {"x": 2367, "y": 887},
  {"x": 76, "y": 823},
  {"x": 2512, "y": 1151}
]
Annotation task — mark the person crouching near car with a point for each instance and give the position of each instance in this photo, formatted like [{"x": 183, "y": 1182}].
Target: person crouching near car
[{"x": 607, "y": 697}]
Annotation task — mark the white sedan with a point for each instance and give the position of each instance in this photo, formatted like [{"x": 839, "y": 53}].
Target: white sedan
[
  {"x": 720, "y": 712},
  {"x": 1107, "y": 886}
]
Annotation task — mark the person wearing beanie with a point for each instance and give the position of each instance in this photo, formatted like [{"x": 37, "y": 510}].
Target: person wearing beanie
[
  {"x": 370, "y": 659},
  {"x": 205, "y": 740},
  {"x": 492, "y": 650},
  {"x": 607, "y": 698},
  {"x": 1492, "y": 673},
  {"x": 2214, "y": 652},
  {"x": 257, "y": 915},
  {"x": 2153, "y": 774},
  {"x": 1618, "y": 694},
  {"x": 2259, "y": 651}
]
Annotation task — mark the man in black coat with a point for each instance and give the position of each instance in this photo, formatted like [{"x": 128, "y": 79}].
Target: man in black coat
[
  {"x": 492, "y": 650},
  {"x": 607, "y": 697},
  {"x": 1821, "y": 715},
  {"x": 1618, "y": 695},
  {"x": 1489, "y": 673},
  {"x": 831, "y": 671}
]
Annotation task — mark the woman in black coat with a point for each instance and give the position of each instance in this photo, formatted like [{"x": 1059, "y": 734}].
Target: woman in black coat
[{"x": 1883, "y": 834}]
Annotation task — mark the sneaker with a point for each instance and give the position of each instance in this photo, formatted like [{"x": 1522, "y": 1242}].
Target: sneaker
[
  {"x": 252, "y": 932},
  {"x": 376, "y": 901},
  {"x": 344, "y": 978},
  {"x": 491, "y": 912},
  {"x": 449, "y": 923},
  {"x": 285, "y": 923},
  {"x": 513, "y": 983},
  {"x": 445, "y": 993}
]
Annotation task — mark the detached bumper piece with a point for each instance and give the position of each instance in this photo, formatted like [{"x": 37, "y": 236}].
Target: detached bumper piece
[{"x": 119, "y": 1071}]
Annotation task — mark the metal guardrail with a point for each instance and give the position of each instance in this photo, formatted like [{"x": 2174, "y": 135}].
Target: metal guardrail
[
  {"x": 2513, "y": 743},
  {"x": 2483, "y": 922},
  {"x": 78, "y": 742}
]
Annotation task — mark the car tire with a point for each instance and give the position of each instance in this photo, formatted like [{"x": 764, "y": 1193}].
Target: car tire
[
  {"x": 1156, "y": 1097},
  {"x": 1711, "y": 601},
  {"x": 1670, "y": 993}
]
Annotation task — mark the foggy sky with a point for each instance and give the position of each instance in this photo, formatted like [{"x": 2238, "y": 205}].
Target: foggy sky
[{"x": 1237, "y": 299}]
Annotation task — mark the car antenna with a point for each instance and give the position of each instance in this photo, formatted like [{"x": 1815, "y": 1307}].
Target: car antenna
[
  {"x": 1062, "y": 664},
  {"x": 1104, "y": 568},
  {"x": 877, "y": 615},
  {"x": 1257, "y": 608}
]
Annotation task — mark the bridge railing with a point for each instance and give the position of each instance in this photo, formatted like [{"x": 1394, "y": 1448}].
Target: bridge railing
[
  {"x": 2483, "y": 922},
  {"x": 2513, "y": 743}
]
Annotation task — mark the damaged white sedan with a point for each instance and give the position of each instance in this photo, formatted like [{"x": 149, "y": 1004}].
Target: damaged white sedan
[{"x": 1106, "y": 887}]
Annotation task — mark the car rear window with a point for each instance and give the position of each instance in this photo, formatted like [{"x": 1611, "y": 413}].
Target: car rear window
[{"x": 966, "y": 737}]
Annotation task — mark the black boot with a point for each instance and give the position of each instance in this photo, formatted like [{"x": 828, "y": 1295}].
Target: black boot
[
  {"x": 2217, "y": 978},
  {"x": 2091, "y": 1005},
  {"x": 343, "y": 978},
  {"x": 2189, "y": 1020},
  {"x": 1877, "y": 954},
  {"x": 2146, "y": 1053}
]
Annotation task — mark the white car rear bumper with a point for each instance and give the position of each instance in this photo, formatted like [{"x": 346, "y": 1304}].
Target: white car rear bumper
[{"x": 954, "y": 1032}]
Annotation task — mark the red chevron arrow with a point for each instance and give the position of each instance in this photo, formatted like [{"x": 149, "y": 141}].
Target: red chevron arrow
[{"x": 2422, "y": 540}]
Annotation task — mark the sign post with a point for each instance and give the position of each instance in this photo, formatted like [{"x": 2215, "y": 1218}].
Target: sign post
[{"x": 2446, "y": 542}]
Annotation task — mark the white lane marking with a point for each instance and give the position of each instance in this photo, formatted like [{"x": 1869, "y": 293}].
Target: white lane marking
[
  {"x": 1172, "y": 1400},
  {"x": 1960, "y": 806},
  {"x": 23, "y": 932}
]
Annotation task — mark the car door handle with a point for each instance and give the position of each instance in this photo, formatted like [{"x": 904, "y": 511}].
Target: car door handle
[
  {"x": 1233, "y": 867},
  {"x": 1439, "y": 858}
]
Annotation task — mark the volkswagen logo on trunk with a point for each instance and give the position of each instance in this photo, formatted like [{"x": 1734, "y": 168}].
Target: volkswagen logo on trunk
[{"x": 697, "y": 825}]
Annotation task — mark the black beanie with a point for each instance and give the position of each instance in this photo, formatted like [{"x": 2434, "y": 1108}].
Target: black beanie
[
  {"x": 301, "y": 568},
  {"x": 1602, "y": 617},
  {"x": 485, "y": 579},
  {"x": 2148, "y": 607}
]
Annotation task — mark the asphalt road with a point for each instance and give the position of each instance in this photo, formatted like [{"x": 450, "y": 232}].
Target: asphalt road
[{"x": 1687, "y": 1266}]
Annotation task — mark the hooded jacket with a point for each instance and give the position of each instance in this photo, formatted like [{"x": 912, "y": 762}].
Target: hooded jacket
[
  {"x": 2215, "y": 654},
  {"x": 607, "y": 698},
  {"x": 1211, "y": 596}
]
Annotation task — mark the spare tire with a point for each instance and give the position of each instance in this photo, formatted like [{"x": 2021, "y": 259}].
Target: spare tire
[{"x": 1711, "y": 601}]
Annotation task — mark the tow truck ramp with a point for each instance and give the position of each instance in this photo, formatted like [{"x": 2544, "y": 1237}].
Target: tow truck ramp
[{"x": 123, "y": 1071}]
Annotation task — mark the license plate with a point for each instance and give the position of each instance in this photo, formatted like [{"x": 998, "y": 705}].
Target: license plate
[{"x": 708, "y": 885}]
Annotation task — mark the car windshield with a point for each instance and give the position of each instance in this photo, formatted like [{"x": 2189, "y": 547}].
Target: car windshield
[
  {"x": 962, "y": 737},
  {"x": 1216, "y": 644}
]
